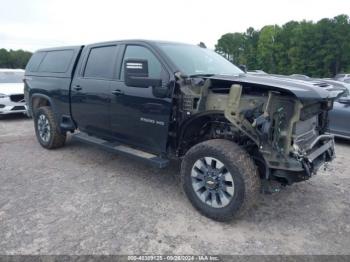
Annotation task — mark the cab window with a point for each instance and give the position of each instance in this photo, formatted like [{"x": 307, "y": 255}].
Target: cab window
[{"x": 100, "y": 63}]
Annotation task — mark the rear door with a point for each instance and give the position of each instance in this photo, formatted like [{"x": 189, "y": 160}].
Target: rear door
[
  {"x": 138, "y": 117},
  {"x": 90, "y": 91}
]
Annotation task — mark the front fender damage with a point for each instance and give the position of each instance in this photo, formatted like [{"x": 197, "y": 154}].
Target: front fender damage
[{"x": 283, "y": 134}]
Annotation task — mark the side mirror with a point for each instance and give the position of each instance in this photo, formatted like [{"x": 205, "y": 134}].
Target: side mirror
[
  {"x": 344, "y": 100},
  {"x": 136, "y": 74}
]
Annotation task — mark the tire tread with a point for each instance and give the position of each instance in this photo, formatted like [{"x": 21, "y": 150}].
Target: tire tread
[
  {"x": 245, "y": 165},
  {"x": 57, "y": 139}
]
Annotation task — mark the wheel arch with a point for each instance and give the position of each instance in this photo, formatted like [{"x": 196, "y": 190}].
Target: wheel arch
[
  {"x": 40, "y": 100},
  {"x": 193, "y": 126}
]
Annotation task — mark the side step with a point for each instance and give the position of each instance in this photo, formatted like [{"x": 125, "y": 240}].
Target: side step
[{"x": 116, "y": 147}]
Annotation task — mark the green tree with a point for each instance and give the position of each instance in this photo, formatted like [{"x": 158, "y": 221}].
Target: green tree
[
  {"x": 4, "y": 58},
  {"x": 14, "y": 59},
  {"x": 251, "y": 47},
  {"x": 267, "y": 46},
  {"x": 319, "y": 49},
  {"x": 231, "y": 46}
]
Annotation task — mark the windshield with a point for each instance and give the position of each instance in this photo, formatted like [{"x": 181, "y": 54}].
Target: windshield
[
  {"x": 11, "y": 77},
  {"x": 194, "y": 60}
]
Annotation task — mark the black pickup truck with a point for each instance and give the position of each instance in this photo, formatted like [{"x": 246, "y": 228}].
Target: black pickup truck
[{"x": 155, "y": 101}]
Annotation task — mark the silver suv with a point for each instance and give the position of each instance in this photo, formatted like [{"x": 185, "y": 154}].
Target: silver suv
[{"x": 11, "y": 91}]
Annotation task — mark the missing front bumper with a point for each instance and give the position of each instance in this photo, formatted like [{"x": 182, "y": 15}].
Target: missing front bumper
[
  {"x": 327, "y": 149},
  {"x": 319, "y": 155}
]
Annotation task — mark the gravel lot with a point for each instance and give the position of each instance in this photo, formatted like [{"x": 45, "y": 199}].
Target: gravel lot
[{"x": 81, "y": 200}]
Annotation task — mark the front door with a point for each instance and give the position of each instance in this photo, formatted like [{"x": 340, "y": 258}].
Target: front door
[{"x": 138, "y": 117}]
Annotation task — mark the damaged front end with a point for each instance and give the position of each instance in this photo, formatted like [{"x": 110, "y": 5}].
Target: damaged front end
[
  {"x": 291, "y": 137},
  {"x": 285, "y": 135}
]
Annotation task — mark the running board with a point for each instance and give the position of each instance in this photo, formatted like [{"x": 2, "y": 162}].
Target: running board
[{"x": 116, "y": 147}]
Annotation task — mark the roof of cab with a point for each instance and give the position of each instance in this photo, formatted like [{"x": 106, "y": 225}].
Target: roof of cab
[
  {"x": 141, "y": 41},
  {"x": 111, "y": 42},
  {"x": 59, "y": 48}
]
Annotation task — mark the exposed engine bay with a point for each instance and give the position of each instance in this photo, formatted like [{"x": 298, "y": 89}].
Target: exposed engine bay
[{"x": 286, "y": 137}]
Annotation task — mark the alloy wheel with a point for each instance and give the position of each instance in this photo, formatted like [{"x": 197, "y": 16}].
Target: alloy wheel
[
  {"x": 212, "y": 182},
  {"x": 44, "y": 128}
]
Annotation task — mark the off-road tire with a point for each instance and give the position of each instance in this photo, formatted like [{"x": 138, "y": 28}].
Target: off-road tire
[
  {"x": 238, "y": 163},
  {"x": 56, "y": 138}
]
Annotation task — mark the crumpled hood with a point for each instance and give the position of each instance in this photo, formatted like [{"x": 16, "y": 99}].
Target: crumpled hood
[
  {"x": 11, "y": 88},
  {"x": 304, "y": 90}
]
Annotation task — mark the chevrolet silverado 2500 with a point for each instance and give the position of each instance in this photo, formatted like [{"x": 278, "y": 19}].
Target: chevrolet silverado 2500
[{"x": 155, "y": 101}]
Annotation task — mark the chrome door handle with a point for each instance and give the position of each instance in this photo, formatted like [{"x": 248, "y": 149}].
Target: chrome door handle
[
  {"x": 77, "y": 87},
  {"x": 117, "y": 92}
]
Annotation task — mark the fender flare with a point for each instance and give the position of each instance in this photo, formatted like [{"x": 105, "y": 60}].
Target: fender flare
[
  {"x": 35, "y": 95},
  {"x": 52, "y": 105}
]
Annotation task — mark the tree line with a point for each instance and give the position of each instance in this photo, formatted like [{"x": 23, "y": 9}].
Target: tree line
[
  {"x": 320, "y": 49},
  {"x": 14, "y": 58}
]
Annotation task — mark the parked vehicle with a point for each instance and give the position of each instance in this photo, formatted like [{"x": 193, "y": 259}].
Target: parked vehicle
[
  {"x": 337, "y": 85},
  {"x": 11, "y": 91},
  {"x": 342, "y": 77},
  {"x": 256, "y": 72},
  {"x": 157, "y": 101},
  {"x": 300, "y": 76},
  {"x": 330, "y": 85},
  {"x": 339, "y": 124},
  {"x": 339, "y": 116}
]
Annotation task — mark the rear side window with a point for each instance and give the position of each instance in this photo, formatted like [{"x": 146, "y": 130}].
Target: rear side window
[
  {"x": 56, "y": 61},
  {"x": 100, "y": 63},
  {"x": 35, "y": 61}
]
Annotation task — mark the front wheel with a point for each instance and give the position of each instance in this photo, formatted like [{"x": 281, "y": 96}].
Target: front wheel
[
  {"x": 220, "y": 179},
  {"x": 46, "y": 129}
]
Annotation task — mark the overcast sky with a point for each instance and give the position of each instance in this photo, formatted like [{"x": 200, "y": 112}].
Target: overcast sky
[{"x": 35, "y": 24}]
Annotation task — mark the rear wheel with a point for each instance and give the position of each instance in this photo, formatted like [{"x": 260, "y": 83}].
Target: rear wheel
[
  {"x": 220, "y": 179},
  {"x": 46, "y": 129}
]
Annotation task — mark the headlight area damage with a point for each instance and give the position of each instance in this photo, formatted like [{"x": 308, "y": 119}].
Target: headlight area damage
[{"x": 283, "y": 127}]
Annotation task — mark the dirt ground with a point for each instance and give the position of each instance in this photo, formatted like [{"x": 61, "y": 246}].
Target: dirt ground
[{"x": 81, "y": 200}]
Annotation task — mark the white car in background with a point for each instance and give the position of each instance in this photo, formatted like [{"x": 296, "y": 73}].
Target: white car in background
[
  {"x": 11, "y": 91},
  {"x": 343, "y": 77}
]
